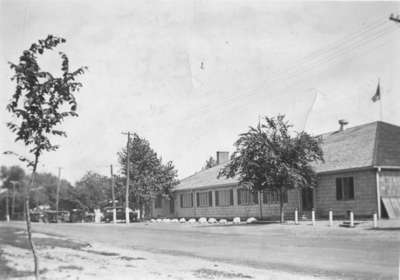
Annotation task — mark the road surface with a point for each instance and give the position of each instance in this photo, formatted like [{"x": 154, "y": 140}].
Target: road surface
[{"x": 340, "y": 253}]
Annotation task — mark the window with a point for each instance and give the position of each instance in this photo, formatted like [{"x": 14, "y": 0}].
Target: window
[
  {"x": 246, "y": 197},
  {"x": 204, "y": 199},
  {"x": 272, "y": 197},
  {"x": 344, "y": 188},
  {"x": 158, "y": 202},
  {"x": 224, "y": 198},
  {"x": 186, "y": 200}
]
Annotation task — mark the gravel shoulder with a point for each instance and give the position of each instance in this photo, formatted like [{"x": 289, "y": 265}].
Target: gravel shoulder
[{"x": 63, "y": 258}]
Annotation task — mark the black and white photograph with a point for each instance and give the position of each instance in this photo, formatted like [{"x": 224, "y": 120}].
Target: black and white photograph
[{"x": 199, "y": 140}]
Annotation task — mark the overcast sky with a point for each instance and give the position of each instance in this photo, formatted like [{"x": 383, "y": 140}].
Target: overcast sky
[{"x": 189, "y": 76}]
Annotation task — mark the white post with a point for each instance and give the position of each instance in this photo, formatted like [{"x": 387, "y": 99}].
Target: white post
[
  {"x": 330, "y": 218},
  {"x": 114, "y": 215},
  {"x": 375, "y": 218},
  {"x": 8, "y": 218},
  {"x": 127, "y": 209},
  {"x": 296, "y": 216},
  {"x": 313, "y": 217},
  {"x": 351, "y": 218}
]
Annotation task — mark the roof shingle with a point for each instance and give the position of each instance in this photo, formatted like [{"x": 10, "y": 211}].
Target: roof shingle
[{"x": 372, "y": 144}]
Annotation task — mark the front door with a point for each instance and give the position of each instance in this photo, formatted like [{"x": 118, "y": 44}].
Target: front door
[{"x": 307, "y": 199}]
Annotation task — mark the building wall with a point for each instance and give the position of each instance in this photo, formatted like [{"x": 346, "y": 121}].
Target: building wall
[
  {"x": 164, "y": 211},
  {"x": 389, "y": 183},
  {"x": 235, "y": 210},
  {"x": 364, "y": 203}
]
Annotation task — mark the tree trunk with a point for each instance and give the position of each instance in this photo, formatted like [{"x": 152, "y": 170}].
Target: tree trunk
[
  {"x": 282, "y": 220},
  {"x": 31, "y": 244},
  {"x": 28, "y": 222}
]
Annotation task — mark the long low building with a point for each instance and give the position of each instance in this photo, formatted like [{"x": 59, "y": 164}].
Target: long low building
[{"x": 361, "y": 173}]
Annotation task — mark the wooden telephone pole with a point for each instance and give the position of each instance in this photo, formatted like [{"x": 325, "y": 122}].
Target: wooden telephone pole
[
  {"x": 13, "y": 199},
  {"x": 113, "y": 195},
  {"x": 127, "y": 178},
  {"x": 58, "y": 192}
]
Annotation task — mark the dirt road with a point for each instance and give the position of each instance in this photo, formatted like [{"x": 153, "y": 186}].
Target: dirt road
[{"x": 321, "y": 251}]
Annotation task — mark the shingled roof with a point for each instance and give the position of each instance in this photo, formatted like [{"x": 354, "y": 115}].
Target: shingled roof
[{"x": 372, "y": 144}]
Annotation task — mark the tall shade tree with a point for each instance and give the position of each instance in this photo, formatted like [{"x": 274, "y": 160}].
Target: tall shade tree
[
  {"x": 211, "y": 162},
  {"x": 149, "y": 176},
  {"x": 93, "y": 190},
  {"x": 39, "y": 105},
  {"x": 271, "y": 157}
]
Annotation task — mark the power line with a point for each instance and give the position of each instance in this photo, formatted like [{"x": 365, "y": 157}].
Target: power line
[{"x": 329, "y": 57}]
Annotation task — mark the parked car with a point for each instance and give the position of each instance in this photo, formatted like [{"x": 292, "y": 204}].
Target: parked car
[
  {"x": 52, "y": 216},
  {"x": 77, "y": 216},
  {"x": 108, "y": 214},
  {"x": 37, "y": 216}
]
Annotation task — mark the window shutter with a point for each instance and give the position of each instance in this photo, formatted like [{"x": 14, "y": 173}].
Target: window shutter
[
  {"x": 255, "y": 197},
  {"x": 339, "y": 189},
  {"x": 239, "y": 191},
  {"x": 210, "y": 198},
  {"x": 216, "y": 198},
  {"x": 191, "y": 199},
  {"x": 181, "y": 198},
  {"x": 198, "y": 199},
  {"x": 351, "y": 188},
  {"x": 231, "y": 197}
]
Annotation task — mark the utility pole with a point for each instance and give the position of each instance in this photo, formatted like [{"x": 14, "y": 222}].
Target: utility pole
[
  {"x": 7, "y": 208},
  {"x": 13, "y": 199},
  {"x": 127, "y": 178},
  {"x": 58, "y": 192},
  {"x": 395, "y": 19},
  {"x": 113, "y": 195}
]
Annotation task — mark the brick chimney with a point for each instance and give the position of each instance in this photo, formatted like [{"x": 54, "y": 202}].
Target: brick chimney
[
  {"x": 222, "y": 157},
  {"x": 342, "y": 123}
]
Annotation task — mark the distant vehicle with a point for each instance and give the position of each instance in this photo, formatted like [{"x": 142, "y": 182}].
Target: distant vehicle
[
  {"x": 88, "y": 217},
  {"x": 77, "y": 216},
  {"x": 53, "y": 216},
  {"x": 108, "y": 214},
  {"x": 37, "y": 216}
]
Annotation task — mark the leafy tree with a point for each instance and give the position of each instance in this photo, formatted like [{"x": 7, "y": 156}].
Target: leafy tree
[
  {"x": 148, "y": 175},
  {"x": 39, "y": 105},
  {"x": 13, "y": 181},
  {"x": 211, "y": 162},
  {"x": 44, "y": 192},
  {"x": 93, "y": 190},
  {"x": 271, "y": 157}
]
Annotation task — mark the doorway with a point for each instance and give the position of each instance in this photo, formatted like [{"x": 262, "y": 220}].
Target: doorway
[{"x": 307, "y": 199}]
